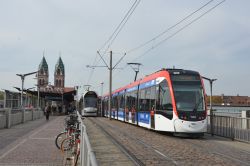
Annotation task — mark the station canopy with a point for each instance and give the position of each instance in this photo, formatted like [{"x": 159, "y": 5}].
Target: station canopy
[{"x": 55, "y": 93}]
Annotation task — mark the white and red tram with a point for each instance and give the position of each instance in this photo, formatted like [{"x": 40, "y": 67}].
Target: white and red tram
[{"x": 171, "y": 100}]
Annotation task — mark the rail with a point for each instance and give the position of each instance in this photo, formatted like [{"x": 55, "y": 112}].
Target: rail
[{"x": 87, "y": 155}]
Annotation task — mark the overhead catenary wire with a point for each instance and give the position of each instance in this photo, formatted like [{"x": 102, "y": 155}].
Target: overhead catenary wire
[
  {"x": 168, "y": 29},
  {"x": 123, "y": 24},
  {"x": 172, "y": 35},
  {"x": 114, "y": 35},
  {"x": 181, "y": 29},
  {"x": 120, "y": 24}
]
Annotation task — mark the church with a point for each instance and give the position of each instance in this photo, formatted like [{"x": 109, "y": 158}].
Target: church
[{"x": 56, "y": 92}]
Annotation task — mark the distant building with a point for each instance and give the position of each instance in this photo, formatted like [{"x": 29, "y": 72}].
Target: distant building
[
  {"x": 230, "y": 100},
  {"x": 43, "y": 74},
  {"x": 59, "y": 74},
  {"x": 58, "y": 91}
]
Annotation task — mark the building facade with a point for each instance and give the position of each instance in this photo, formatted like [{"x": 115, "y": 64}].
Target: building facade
[{"x": 43, "y": 77}]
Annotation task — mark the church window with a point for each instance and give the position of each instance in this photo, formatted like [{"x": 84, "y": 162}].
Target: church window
[{"x": 58, "y": 72}]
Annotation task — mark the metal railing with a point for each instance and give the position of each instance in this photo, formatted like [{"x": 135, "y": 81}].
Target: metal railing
[
  {"x": 87, "y": 155},
  {"x": 236, "y": 128}
]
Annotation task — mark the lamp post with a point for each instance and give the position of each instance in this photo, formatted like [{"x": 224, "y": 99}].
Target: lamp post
[
  {"x": 22, "y": 76},
  {"x": 135, "y": 67},
  {"x": 76, "y": 104},
  {"x": 211, "y": 107}
]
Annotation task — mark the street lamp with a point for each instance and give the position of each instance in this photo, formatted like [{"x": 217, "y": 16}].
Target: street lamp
[
  {"x": 76, "y": 104},
  {"x": 211, "y": 107},
  {"x": 22, "y": 78},
  {"x": 135, "y": 67}
]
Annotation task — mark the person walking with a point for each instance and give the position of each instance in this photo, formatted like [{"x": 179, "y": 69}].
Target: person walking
[{"x": 47, "y": 111}]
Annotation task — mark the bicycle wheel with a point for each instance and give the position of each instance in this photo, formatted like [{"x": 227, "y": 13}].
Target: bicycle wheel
[
  {"x": 66, "y": 144},
  {"x": 77, "y": 153},
  {"x": 60, "y": 137}
]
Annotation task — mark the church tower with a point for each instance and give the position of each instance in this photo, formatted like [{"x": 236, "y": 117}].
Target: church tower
[
  {"x": 59, "y": 74},
  {"x": 43, "y": 74}
]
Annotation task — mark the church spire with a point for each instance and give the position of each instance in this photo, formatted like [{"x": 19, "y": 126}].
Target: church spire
[
  {"x": 59, "y": 73},
  {"x": 43, "y": 73}
]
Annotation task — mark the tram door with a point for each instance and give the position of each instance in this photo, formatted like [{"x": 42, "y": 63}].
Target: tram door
[
  {"x": 147, "y": 103},
  {"x": 152, "y": 105},
  {"x": 152, "y": 118}
]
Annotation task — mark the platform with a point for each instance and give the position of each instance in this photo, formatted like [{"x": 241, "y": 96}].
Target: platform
[{"x": 32, "y": 143}]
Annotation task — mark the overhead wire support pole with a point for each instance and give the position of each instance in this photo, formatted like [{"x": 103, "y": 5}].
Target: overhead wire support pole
[
  {"x": 101, "y": 98},
  {"x": 102, "y": 59},
  {"x": 110, "y": 67},
  {"x": 120, "y": 60},
  {"x": 110, "y": 84}
]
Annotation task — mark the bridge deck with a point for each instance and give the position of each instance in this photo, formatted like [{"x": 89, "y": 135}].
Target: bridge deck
[{"x": 31, "y": 143}]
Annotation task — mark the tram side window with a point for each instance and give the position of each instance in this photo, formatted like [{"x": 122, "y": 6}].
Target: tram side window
[
  {"x": 164, "y": 102},
  {"x": 152, "y": 97},
  {"x": 143, "y": 103},
  {"x": 147, "y": 99},
  {"x": 114, "y": 102},
  {"x": 131, "y": 100},
  {"x": 121, "y": 101}
]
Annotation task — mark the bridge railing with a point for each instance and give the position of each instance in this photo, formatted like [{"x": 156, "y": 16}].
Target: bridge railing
[
  {"x": 236, "y": 128},
  {"x": 10, "y": 117},
  {"x": 87, "y": 155}
]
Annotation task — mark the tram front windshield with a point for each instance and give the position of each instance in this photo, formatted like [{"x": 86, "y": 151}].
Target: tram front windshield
[
  {"x": 90, "y": 101},
  {"x": 188, "y": 95}
]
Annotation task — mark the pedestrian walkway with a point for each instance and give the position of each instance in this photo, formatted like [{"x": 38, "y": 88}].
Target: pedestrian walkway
[{"x": 32, "y": 143}]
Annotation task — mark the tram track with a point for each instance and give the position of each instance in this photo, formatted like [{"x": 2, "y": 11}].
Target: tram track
[
  {"x": 154, "y": 148},
  {"x": 139, "y": 141},
  {"x": 200, "y": 145},
  {"x": 130, "y": 155}
]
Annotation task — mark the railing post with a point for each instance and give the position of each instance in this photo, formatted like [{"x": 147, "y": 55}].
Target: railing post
[
  {"x": 23, "y": 115},
  {"x": 32, "y": 114},
  {"x": 211, "y": 122},
  {"x": 8, "y": 117},
  {"x": 244, "y": 119},
  {"x": 232, "y": 127}
]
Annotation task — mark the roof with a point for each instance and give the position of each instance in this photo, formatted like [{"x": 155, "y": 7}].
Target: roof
[
  {"x": 59, "y": 65},
  {"x": 43, "y": 65}
]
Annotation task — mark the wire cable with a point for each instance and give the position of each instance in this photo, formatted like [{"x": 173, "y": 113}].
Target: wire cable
[
  {"x": 168, "y": 29},
  {"x": 120, "y": 24},
  {"x": 181, "y": 29},
  {"x": 115, "y": 34}
]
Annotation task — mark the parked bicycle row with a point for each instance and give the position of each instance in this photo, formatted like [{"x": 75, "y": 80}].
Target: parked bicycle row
[{"x": 68, "y": 141}]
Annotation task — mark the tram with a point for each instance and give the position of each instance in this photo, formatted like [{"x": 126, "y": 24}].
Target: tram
[
  {"x": 89, "y": 104},
  {"x": 170, "y": 100}
]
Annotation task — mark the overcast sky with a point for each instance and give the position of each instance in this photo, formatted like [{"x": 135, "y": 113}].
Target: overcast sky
[{"x": 217, "y": 45}]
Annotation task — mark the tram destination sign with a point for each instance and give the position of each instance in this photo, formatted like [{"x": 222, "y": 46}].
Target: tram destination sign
[{"x": 185, "y": 77}]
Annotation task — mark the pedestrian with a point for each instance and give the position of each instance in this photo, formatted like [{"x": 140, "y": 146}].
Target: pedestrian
[{"x": 47, "y": 111}]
